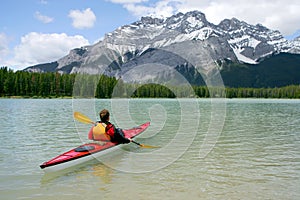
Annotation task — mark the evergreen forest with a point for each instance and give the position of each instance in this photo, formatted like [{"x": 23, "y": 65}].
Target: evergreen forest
[{"x": 54, "y": 85}]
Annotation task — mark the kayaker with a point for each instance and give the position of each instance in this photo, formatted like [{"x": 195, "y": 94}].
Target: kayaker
[{"x": 116, "y": 134}]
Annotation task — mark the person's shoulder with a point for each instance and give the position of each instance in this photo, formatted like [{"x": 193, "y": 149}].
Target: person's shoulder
[{"x": 108, "y": 124}]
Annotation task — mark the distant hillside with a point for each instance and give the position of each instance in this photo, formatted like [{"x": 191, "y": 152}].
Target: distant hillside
[{"x": 276, "y": 71}]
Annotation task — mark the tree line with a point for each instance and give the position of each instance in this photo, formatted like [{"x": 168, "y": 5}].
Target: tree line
[
  {"x": 28, "y": 84},
  {"x": 51, "y": 84}
]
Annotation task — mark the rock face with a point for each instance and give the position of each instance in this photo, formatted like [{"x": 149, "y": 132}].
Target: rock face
[
  {"x": 294, "y": 46},
  {"x": 185, "y": 43}
]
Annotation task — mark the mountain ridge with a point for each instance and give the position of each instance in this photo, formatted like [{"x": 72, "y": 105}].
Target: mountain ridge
[{"x": 189, "y": 37}]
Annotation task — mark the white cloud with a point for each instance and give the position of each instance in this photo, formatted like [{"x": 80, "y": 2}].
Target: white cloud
[
  {"x": 43, "y": 18},
  {"x": 82, "y": 19},
  {"x": 36, "y": 48},
  {"x": 160, "y": 9},
  {"x": 278, "y": 15}
]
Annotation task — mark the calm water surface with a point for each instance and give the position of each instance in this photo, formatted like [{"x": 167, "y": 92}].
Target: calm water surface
[{"x": 255, "y": 154}]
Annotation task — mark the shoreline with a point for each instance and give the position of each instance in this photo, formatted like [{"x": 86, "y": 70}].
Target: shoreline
[{"x": 71, "y": 97}]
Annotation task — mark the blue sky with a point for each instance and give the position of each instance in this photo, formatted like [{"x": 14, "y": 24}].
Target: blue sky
[{"x": 39, "y": 31}]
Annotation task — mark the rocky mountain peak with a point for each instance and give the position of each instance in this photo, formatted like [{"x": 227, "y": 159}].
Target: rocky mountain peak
[
  {"x": 233, "y": 25},
  {"x": 297, "y": 39},
  {"x": 294, "y": 45},
  {"x": 230, "y": 24},
  {"x": 184, "y": 23},
  {"x": 231, "y": 39},
  {"x": 150, "y": 21},
  {"x": 187, "y": 23}
]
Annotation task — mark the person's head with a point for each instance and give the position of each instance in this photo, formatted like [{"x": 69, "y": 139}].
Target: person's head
[{"x": 104, "y": 115}]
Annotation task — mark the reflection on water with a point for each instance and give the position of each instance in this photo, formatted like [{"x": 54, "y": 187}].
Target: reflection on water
[{"x": 103, "y": 172}]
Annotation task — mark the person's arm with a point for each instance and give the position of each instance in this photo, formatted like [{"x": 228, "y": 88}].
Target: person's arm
[
  {"x": 110, "y": 130},
  {"x": 120, "y": 136},
  {"x": 117, "y": 134}
]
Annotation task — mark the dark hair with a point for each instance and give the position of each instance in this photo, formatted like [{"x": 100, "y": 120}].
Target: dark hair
[{"x": 104, "y": 115}]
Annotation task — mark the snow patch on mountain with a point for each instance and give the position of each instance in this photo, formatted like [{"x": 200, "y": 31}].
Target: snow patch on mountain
[
  {"x": 242, "y": 58},
  {"x": 294, "y": 45},
  {"x": 194, "y": 22}
]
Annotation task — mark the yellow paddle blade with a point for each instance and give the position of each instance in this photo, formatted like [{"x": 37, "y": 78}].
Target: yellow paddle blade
[
  {"x": 82, "y": 118},
  {"x": 148, "y": 146},
  {"x": 144, "y": 145}
]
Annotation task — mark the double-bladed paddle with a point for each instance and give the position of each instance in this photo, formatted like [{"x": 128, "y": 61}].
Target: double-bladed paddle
[{"x": 84, "y": 119}]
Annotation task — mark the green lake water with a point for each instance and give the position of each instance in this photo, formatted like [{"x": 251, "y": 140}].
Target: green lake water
[{"x": 209, "y": 149}]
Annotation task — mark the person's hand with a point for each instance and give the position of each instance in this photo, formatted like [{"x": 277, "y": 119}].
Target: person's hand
[{"x": 128, "y": 140}]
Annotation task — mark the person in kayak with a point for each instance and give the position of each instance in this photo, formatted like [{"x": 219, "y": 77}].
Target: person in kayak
[{"x": 115, "y": 134}]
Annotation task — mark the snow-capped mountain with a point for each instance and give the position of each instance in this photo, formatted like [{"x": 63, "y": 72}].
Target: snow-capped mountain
[
  {"x": 251, "y": 43},
  {"x": 294, "y": 46},
  {"x": 182, "y": 41}
]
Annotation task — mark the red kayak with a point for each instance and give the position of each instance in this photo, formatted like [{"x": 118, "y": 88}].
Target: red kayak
[{"x": 87, "y": 152}]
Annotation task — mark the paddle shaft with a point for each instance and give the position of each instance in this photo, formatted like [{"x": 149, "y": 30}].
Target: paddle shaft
[{"x": 136, "y": 143}]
